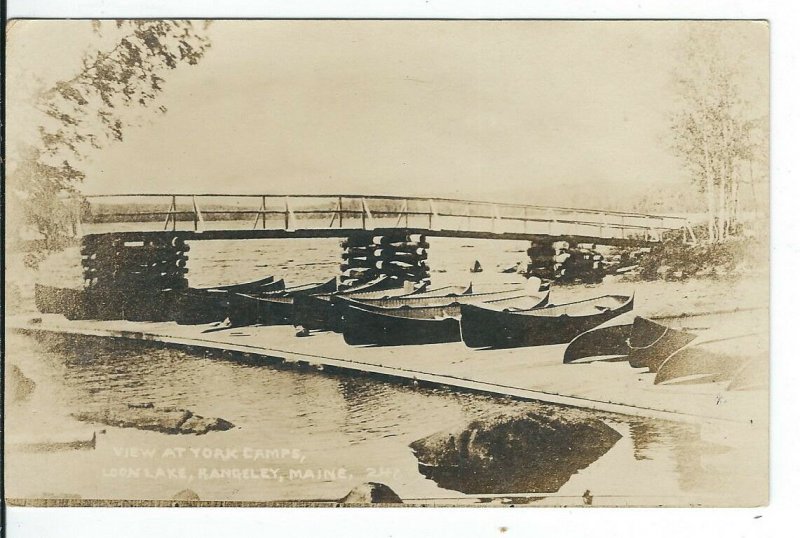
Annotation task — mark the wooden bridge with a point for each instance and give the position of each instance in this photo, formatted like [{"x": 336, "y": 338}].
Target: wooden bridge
[{"x": 261, "y": 216}]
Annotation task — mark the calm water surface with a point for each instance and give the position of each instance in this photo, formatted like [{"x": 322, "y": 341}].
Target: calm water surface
[{"x": 318, "y": 435}]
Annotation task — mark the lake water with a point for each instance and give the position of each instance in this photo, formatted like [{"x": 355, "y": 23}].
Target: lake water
[{"x": 299, "y": 434}]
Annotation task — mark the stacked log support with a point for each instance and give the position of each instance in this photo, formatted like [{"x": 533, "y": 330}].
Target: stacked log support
[
  {"x": 560, "y": 260},
  {"x": 396, "y": 254},
  {"x": 133, "y": 279}
]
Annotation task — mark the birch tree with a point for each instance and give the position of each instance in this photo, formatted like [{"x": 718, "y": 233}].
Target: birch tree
[{"x": 713, "y": 131}]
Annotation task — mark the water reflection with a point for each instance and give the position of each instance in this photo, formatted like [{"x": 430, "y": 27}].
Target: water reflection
[{"x": 351, "y": 422}]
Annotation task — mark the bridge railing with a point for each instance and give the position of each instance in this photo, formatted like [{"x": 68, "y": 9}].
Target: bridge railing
[{"x": 202, "y": 212}]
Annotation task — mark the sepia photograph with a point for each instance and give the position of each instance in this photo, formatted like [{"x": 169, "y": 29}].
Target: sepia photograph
[{"x": 387, "y": 263}]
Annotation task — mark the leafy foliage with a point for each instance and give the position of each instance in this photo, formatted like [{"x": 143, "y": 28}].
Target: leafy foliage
[
  {"x": 714, "y": 133},
  {"x": 84, "y": 113},
  {"x": 732, "y": 258}
]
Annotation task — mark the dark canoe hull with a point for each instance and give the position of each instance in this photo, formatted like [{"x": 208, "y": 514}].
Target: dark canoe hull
[
  {"x": 150, "y": 306},
  {"x": 103, "y": 304},
  {"x": 196, "y": 307},
  {"x": 651, "y": 343},
  {"x": 52, "y": 300},
  {"x": 483, "y": 327},
  {"x": 250, "y": 310},
  {"x": 606, "y": 342},
  {"x": 363, "y": 327},
  {"x": 709, "y": 361},
  {"x": 271, "y": 309},
  {"x": 318, "y": 312},
  {"x": 190, "y": 306}
]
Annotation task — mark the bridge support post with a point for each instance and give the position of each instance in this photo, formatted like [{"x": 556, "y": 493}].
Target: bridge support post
[
  {"x": 552, "y": 259},
  {"x": 133, "y": 277},
  {"x": 394, "y": 254}
]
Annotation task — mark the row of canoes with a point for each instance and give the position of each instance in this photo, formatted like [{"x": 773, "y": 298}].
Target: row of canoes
[
  {"x": 722, "y": 346},
  {"x": 380, "y": 312},
  {"x": 386, "y": 317},
  {"x": 387, "y": 312},
  {"x": 192, "y": 305},
  {"x": 202, "y": 305}
]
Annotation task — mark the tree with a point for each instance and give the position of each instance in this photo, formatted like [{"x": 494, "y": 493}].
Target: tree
[
  {"x": 714, "y": 132},
  {"x": 95, "y": 107}
]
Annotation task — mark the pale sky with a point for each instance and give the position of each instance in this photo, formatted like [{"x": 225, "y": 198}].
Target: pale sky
[{"x": 520, "y": 111}]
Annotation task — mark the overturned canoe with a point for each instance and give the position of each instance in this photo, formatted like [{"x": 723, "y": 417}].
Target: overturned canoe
[
  {"x": 652, "y": 342},
  {"x": 752, "y": 375},
  {"x": 705, "y": 361},
  {"x": 607, "y": 342},
  {"x": 492, "y": 326},
  {"x": 647, "y": 342},
  {"x": 274, "y": 308},
  {"x": 409, "y": 325}
]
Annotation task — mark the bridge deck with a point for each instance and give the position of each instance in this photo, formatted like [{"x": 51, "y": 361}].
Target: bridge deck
[{"x": 228, "y": 216}]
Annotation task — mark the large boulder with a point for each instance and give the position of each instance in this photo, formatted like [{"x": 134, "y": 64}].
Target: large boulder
[
  {"x": 149, "y": 417},
  {"x": 517, "y": 452}
]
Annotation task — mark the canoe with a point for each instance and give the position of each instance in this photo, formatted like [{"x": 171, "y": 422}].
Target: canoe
[
  {"x": 652, "y": 342},
  {"x": 194, "y": 306},
  {"x": 317, "y": 312},
  {"x": 73, "y": 303},
  {"x": 705, "y": 361},
  {"x": 412, "y": 325},
  {"x": 438, "y": 296},
  {"x": 274, "y": 308},
  {"x": 606, "y": 342},
  {"x": 53, "y": 300},
  {"x": 265, "y": 284},
  {"x": 488, "y": 326},
  {"x": 104, "y": 304},
  {"x": 752, "y": 375},
  {"x": 647, "y": 342}
]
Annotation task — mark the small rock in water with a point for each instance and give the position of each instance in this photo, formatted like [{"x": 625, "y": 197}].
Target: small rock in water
[
  {"x": 56, "y": 446},
  {"x": 372, "y": 493},
  {"x": 476, "y": 267},
  {"x": 147, "y": 416},
  {"x": 199, "y": 425},
  {"x": 302, "y": 332}
]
